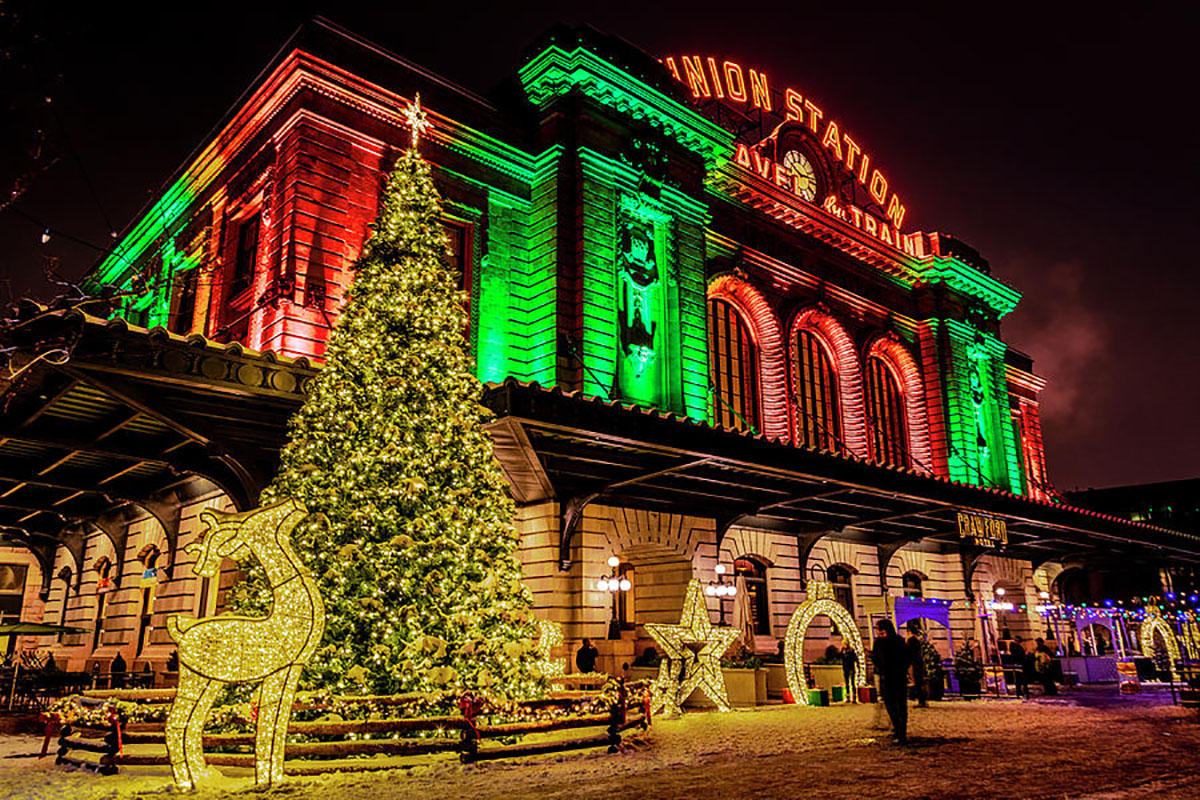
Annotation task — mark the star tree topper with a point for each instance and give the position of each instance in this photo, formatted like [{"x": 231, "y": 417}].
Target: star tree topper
[
  {"x": 702, "y": 667},
  {"x": 417, "y": 119}
]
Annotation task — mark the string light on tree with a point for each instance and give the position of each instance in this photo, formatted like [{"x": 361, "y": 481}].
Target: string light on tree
[
  {"x": 417, "y": 560},
  {"x": 551, "y": 636}
]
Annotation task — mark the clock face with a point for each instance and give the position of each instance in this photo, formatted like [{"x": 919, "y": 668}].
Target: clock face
[{"x": 805, "y": 177}]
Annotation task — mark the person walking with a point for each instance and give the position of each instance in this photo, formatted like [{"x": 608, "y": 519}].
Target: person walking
[
  {"x": 891, "y": 659},
  {"x": 1044, "y": 670},
  {"x": 916, "y": 657},
  {"x": 1019, "y": 657},
  {"x": 849, "y": 664},
  {"x": 585, "y": 658}
]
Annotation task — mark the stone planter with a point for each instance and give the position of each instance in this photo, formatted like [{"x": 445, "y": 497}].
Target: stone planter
[
  {"x": 776, "y": 677},
  {"x": 827, "y": 676},
  {"x": 741, "y": 685},
  {"x": 745, "y": 687},
  {"x": 643, "y": 673}
]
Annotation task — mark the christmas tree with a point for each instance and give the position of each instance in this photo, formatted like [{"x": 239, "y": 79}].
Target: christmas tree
[{"x": 411, "y": 536}]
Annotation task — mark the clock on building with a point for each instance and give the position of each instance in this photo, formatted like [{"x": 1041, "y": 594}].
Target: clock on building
[{"x": 805, "y": 176}]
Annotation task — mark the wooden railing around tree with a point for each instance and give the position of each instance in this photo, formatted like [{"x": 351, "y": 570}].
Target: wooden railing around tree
[{"x": 106, "y": 745}]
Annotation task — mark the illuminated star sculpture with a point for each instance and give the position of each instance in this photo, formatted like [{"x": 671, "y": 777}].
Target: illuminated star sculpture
[
  {"x": 685, "y": 667},
  {"x": 417, "y": 119}
]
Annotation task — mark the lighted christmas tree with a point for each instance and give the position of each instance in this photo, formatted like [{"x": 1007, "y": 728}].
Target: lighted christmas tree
[{"x": 411, "y": 539}]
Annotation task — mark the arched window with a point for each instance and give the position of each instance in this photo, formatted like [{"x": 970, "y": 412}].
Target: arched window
[
  {"x": 818, "y": 417},
  {"x": 912, "y": 585},
  {"x": 754, "y": 574},
  {"x": 733, "y": 365},
  {"x": 885, "y": 415}
]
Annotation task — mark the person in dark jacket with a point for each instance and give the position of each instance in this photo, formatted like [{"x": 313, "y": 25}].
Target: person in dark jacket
[
  {"x": 1022, "y": 663},
  {"x": 585, "y": 658},
  {"x": 916, "y": 657},
  {"x": 891, "y": 659},
  {"x": 849, "y": 664}
]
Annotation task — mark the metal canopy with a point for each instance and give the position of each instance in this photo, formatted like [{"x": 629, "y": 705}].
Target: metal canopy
[
  {"x": 575, "y": 450},
  {"x": 102, "y": 416}
]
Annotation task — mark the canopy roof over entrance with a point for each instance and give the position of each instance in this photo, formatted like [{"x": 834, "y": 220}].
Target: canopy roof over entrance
[
  {"x": 563, "y": 446},
  {"x": 99, "y": 417}
]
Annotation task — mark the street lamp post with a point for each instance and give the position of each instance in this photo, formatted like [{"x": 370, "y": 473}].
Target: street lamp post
[
  {"x": 614, "y": 583},
  {"x": 720, "y": 588}
]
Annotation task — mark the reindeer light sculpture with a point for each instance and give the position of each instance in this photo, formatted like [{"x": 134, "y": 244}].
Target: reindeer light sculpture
[{"x": 268, "y": 650}]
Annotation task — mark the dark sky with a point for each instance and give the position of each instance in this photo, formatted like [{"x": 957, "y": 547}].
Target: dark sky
[{"x": 1061, "y": 140}]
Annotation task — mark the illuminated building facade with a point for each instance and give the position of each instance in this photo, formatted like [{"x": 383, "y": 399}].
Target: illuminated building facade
[{"x": 709, "y": 331}]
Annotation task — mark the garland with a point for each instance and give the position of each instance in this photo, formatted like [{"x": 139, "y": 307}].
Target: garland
[{"x": 324, "y": 706}]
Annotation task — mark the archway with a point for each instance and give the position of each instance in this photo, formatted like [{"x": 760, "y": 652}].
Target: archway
[
  {"x": 1155, "y": 624},
  {"x": 820, "y": 601}
]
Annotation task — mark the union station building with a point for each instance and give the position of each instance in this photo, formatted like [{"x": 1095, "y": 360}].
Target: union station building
[{"x": 707, "y": 328}]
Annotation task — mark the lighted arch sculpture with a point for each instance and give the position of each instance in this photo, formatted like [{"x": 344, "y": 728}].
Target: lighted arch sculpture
[
  {"x": 890, "y": 350},
  {"x": 1154, "y": 623},
  {"x": 766, "y": 332},
  {"x": 820, "y": 601},
  {"x": 844, "y": 356}
]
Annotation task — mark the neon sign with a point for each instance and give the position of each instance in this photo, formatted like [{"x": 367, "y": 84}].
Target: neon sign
[{"x": 730, "y": 82}]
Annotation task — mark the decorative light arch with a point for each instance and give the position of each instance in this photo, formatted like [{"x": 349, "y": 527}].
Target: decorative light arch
[
  {"x": 890, "y": 350},
  {"x": 844, "y": 355},
  {"x": 820, "y": 601},
  {"x": 766, "y": 332},
  {"x": 1154, "y": 623}
]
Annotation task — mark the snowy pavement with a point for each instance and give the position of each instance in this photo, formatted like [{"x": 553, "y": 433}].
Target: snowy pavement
[{"x": 1118, "y": 750}]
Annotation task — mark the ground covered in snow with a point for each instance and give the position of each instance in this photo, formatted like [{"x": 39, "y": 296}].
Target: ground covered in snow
[{"x": 1084, "y": 745}]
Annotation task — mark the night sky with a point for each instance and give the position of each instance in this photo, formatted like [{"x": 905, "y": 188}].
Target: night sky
[{"x": 1063, "y": 144}]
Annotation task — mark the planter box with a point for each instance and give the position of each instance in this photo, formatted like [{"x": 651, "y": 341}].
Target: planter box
[
  {"x": 776, "y": 679},
  {"x": 745, "y": 687},
  {"x": 741, "y": 685},
  {"x": 827, "y": 676},
  {"x": 643, "y": 673}
]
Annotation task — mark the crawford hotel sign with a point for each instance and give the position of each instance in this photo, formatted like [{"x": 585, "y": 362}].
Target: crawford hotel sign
[{"x": 880, "y": 213}]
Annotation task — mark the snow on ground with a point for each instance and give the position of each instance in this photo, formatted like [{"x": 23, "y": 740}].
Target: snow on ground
[{"x": 1082, "y": 746}]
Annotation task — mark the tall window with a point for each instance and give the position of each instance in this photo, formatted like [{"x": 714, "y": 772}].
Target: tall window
[
  {"x": 626, "y": 602},
  {"x": 185, "y": 305},
  {"x": 885, "y": 415},
  {"x": 64, "y": 575},
  {"x": 843, "y": 590},
  {"x": 459, "y": 241},
  {"x": 99, "y": 620},
  {"x": 144, "y": 619},
  {"x": 913, "y": 585},
  {"x": 246, "y": 255},
  {"x": 12, "y": 594},
  {"x": 733, "y": 367},
  {"x": 818, "y": 418},
  {"x": 754, "y": 574}
]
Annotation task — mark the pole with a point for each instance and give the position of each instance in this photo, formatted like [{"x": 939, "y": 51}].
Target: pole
[{"x": 13, "y": 692}]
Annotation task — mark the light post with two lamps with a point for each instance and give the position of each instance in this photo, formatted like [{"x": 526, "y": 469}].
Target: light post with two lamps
[
  {"x": 614, "y": 583},
  {"x": 720, "y": 588}
]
